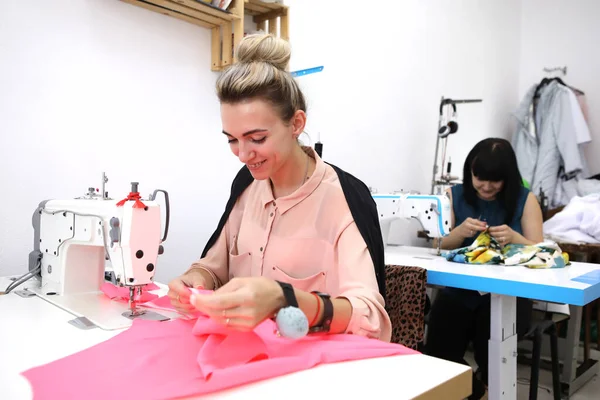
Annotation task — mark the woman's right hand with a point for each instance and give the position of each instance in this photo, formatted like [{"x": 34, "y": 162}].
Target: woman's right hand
[
  {"x": 179, "y": 289},
  {"x": 470, "y": 227}
]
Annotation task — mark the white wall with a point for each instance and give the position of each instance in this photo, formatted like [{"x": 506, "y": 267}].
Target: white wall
[
  {"x": 559, "y": 33},
  {"x": 376, "y": 102},
  {"x": 94, "y": 85}
]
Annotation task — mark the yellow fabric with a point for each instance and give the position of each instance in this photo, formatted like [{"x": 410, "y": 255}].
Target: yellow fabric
[{"x": 486, "y": 250}]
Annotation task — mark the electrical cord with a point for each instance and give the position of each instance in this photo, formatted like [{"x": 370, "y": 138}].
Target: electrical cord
[{"x": 24, "y": 278}]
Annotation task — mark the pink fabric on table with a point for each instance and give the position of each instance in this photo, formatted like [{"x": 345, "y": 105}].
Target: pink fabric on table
[
  {"x": 122, "y": 293},
  {"x": 180, "y": 358},
  {"x": 264, "y": 237}
]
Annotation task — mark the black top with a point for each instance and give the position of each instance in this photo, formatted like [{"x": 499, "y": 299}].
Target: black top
[{"x": 361, "y": 204}]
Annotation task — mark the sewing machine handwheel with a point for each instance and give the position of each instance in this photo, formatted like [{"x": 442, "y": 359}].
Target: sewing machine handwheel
[{"x": 168, "y": 215}]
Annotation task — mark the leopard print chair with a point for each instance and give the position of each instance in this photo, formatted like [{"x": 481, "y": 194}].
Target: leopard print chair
[{"x": 406, "y": 304}]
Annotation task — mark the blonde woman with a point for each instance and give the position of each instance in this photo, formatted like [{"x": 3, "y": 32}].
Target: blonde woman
[{"x": 296, "y": 231}]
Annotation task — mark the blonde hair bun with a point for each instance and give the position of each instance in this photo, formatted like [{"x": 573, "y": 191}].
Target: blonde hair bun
[
  {"x": 262, "y": 72},
  {"x": 265, "y": 48}
]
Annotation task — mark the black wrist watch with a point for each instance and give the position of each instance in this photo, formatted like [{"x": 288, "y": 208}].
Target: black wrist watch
[
  {"x": 288, "y": 293},
  {"x": 325, "y": 324}
]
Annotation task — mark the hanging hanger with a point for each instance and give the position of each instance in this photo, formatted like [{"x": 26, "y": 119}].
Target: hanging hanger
[
  {"x": 577, "y": 91},
  {"x": 564, "y": 72},
  {"x": 546, "y": 80}
]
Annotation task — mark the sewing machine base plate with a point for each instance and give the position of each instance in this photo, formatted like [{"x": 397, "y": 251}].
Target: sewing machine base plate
[
  {"x": 101, "y": 311},
  {"x": 82, "y": 323},
  {"x": 25, "y": 293}
]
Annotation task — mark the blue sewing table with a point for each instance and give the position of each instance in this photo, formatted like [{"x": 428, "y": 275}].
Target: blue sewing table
[{"x": 577, "y": 285}]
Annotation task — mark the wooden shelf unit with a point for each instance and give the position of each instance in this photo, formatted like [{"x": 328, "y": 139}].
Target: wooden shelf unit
[{"x": 227, "y": 26}]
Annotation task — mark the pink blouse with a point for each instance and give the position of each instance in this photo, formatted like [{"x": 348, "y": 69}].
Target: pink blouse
[{"x": 308, "y": 239}]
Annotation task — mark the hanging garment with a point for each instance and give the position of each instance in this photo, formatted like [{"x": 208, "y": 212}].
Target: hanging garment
[
  {"x": 582, "y": 131},
  {"x": 555, "y": 145},
  {"x": 181, "y": 358},
  {"x": 525, "y": 141},
  {"x": 583, "y": 105},
  {"x": 575, "y": 184}
]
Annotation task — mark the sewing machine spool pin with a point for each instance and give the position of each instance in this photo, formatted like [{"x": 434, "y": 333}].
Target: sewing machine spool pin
[{"x": 104, "y": 181}]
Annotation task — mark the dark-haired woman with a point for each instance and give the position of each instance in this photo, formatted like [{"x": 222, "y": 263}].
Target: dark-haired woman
[{"x": 492, "y": 197}]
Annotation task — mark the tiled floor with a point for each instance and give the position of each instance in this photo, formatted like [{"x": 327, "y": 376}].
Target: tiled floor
[{"x": 590, "y": 391}]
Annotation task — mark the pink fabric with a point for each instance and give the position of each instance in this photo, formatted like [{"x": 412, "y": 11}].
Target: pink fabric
[
  {"x": 191, "y": 357},
  {"x": 122, "y": 293}
]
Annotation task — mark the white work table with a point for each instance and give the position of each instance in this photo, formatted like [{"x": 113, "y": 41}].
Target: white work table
[
  {"x": 35, "y": 332},
  {"x": 577, "y": 285}
]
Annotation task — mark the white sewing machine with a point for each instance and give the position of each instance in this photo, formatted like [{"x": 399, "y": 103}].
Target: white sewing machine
[
  {"x": 74, "y": 239},
  {"x": 432, "y": 211}
]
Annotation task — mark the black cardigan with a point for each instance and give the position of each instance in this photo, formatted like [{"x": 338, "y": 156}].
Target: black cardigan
[{"x": 361, "y": 204}]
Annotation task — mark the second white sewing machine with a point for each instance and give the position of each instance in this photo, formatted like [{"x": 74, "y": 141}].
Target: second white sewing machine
[
  {"x": 75, "y": 239},
  {"x": 432, "y": 211}
]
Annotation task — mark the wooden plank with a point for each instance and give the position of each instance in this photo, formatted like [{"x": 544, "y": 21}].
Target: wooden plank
[
  {"x": 262, "y": 26},
  {"x": 206, "y": 9},
  {"x": 237, "y": 8},
  {"x": 190, "y": 12},
  {"x": 273, "y": 26},
  {"x": 269, "y": 15},
  {"x": 251, "y": 12},
  {"x": 170, "y": 13},
  {"x": 256, "y": 9},
  {"x": 268, "y": 6},
  {"x": 238, "y": 25},
  {"x": 284, "y": 27},
  {"x": 216, "y": 49},
  {"x": 457, "y": 387},
  {"x": 227, "y": 45}
]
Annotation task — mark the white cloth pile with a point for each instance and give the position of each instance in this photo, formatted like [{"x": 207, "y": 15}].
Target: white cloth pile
[{"x": 578, "y": 222}]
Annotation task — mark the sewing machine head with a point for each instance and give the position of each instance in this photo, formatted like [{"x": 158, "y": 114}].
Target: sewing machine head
[
  {"x": 75, "y": 239},
  {"x": 432, "y": 211}
]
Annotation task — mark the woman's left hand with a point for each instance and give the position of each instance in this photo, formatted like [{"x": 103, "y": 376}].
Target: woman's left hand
[
  {"x": 503, "y": 234},
  {"x": 242, "y": 303}
]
